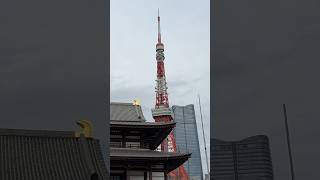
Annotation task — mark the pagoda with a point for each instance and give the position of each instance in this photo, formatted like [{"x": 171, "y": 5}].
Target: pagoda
[{"x": 133, "y": 144}]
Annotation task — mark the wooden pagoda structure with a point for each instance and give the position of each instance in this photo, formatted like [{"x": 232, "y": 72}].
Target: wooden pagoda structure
[{"x": 133, "y": 144}]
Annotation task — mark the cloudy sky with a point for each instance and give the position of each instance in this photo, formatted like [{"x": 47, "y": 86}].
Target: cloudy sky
[
  {"x": 185, "y": 30},
  {"x": 53, "y": 68},
  {"x": 266, "y": 53}
]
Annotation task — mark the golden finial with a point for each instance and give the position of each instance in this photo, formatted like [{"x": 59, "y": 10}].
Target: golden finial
[
  {"x": 86, "y": 128},
  {"x": 136, "y": 102}
]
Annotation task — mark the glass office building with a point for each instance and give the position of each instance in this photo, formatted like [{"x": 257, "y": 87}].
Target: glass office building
[
  {"x": 248, "y": 159},
  {"x": 187, "y": 140}
]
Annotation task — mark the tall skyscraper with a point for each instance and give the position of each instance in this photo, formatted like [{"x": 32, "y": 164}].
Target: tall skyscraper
[
  {"x": 187, "y": 140},
  {"x": 248, "y": 159}
]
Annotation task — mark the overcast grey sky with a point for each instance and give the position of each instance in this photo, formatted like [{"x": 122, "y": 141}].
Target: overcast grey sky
[
  {"x": 266, "y": 53},
  {"x": 53, "y": 65},
  {"x": 185, "y": 30}
]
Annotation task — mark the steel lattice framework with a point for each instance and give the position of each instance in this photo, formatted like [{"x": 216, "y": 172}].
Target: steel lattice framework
[{"x": 162, "y": 112}]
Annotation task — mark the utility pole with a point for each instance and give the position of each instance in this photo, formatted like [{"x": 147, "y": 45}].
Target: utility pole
[
  {"x": 204, "y": 138},
  {"x": 288, "y": 141}
]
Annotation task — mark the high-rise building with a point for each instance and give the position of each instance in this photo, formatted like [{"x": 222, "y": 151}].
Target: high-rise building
[
  {"x": 211, "y": 158},
  {"x": 187, "y": 140},
  {"x": 248, "y": 159}
]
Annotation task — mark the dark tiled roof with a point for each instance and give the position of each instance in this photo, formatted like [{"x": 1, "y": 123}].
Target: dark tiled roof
[
  {"x": 152, "y": 133},
  {"x": 145, "y": 153},
  {"x": 171, "y": 160},
  {"x": 49, "y": 155},
  {"x": 42, "y": 133},
  {"x": 142, "y": 124},
  {"x": 125, "y": 112}
]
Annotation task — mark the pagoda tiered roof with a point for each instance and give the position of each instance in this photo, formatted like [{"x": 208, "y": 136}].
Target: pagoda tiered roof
[
  {"x": 127, "y": 125},
  {"x": 139, "y": 158}
]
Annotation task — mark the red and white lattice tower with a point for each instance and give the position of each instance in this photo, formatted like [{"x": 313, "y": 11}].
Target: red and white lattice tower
[{"x": 162, "y": 112}]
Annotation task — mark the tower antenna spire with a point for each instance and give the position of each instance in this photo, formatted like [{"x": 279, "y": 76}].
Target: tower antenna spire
[{"x": 159, "y": 31}]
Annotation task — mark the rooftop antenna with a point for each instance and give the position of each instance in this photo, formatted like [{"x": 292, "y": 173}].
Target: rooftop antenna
[
  {"x": 204, "y": 138},
  {"x": 288, "y": 141}
]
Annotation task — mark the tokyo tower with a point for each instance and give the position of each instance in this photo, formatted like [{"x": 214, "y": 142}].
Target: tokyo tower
[{"x": 162, "y": 112}]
